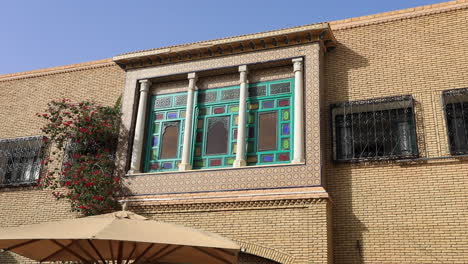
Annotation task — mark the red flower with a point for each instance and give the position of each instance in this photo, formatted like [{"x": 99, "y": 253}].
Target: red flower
[
  {"x": 67, "y": 183},
  {"x": 45, "y": 115},
  {"x": 89, "y": 184}
]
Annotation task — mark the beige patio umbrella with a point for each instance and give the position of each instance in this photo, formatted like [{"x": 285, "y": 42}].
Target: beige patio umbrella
[{"x": 119, "y": 237}]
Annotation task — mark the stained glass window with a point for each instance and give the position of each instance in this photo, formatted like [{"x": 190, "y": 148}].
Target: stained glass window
[
  {"x": 268, "y": 128},
  {"x": 170, "y": 140},
  {"x": 217, "y": 135},
  {"x": 267, "y": 131}
]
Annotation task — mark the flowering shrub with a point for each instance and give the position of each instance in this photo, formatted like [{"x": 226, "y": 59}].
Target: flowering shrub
[{"x": 80, "y": 169}]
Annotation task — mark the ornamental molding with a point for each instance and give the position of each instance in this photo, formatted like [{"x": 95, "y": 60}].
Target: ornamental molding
[{"x": 186, "y": 206}]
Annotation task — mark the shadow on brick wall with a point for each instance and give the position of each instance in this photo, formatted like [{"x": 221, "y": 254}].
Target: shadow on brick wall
[{"x": 348, "y": 229}]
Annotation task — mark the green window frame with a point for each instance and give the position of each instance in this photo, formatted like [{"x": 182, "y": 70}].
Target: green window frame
[
  {"x": 223, "y": 103},
  {"x": 165, "y": 110}
]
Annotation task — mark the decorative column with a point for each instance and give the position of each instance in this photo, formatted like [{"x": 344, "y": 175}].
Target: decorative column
[
  {"x": 137, "y": 151},
  {"x": 298, "y": 111},
  {"x": 186, "y": 148},
  {"x": 241, "y": 126}
]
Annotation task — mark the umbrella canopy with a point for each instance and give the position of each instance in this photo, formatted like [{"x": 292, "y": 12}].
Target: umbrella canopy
[{"x": 121, "y": 236}]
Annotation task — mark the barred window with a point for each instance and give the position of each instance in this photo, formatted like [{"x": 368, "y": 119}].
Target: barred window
[
  {"x": 456, "y": 113},
  {"x": 375, "y": 129},
  {"x": 20, "y": 160}
]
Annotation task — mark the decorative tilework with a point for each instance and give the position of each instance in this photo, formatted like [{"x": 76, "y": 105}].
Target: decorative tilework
[{"x": 278, "y": 176}]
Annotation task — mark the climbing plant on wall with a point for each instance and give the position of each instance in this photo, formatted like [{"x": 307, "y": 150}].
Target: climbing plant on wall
[{"x": 80, "y": 168}]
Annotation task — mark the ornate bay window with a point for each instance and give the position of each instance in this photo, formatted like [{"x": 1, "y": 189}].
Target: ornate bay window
[
  {"x": 374, "y": 129},
  {"x": 216, "y": 122}
]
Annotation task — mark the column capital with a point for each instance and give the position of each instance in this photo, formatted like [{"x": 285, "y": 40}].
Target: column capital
[
  {"x": 243, "y": 68},
  {"x": 192, "y": 75},
  {"x": 144, "y": 85},
  {"x": 297, "y": 64}
]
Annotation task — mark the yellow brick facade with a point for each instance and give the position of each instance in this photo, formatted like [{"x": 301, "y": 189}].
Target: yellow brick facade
[{"x": 370, "y": 212}]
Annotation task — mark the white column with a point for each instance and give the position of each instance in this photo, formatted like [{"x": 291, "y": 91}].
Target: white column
[
  {"x": 186, "y": 148},
  {"x": 137, "y": 151},
  {"x": 241, "y": 126},
  {"x": 298, "y": 111}
]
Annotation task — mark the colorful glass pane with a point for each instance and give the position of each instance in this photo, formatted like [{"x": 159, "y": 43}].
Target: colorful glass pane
[
  {"x": 154, "y": 166},
  {"x": 200, "y": 123},
  {"x": 286, "y": 129},
  {"x": 268, "y": 158},
  {"x": 217, "y": 135},
  {"x": 268, "y": 104},
  {"x": 286, "y": 115},
  {"x": 155, "y": 140},
  {"x": 285, "y": 143},
  {"x": 250, "y": 147},
  {"x": 167, "y": 165},
  {"x": 284, "y": 102},
  {"x": 156, "y": 128},
  {"x": 283, "y": 156},
  {"x": 267, "y": 131},
  {"x": 172, "y": 115},
  {"x": 251, "y": 132},
  {"x": 234, "y": 134},
  {"x": 230, "y": 161},
  {"x": 215, "y": 162},
  {"x": 197, "y": 151},
  {"x": 182, "y": 113},
  {"x": 251, "y": 119},
  {"x": 253, "y": 106},
  {"x": 199, "y": 163},
  {"x": 251, "y": 159},
  {"x": 154, "y": 154},
  {"x": 218, "y": 110},
  {"x": 236, "y": 120},
  {"x": 159, "y": 116},
  {"x": 233, "y": 108},
  {"x": 170, "y": 140},
  {"x": 199, "y": 137},
  {"x": 234, "y": 148}
]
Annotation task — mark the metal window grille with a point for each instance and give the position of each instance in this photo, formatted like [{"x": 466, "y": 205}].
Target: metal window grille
[
  {"x": 456, "y": 114},
  {"x": 374, "y": 129},
  {"x": 20, "y": 160}
]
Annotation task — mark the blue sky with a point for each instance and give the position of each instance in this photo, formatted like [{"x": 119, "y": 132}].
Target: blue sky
[{"x": 38, "y": 34}]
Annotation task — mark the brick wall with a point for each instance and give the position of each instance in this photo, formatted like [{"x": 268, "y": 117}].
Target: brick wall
[
  {"x": 21, "y": 96},
  {"x": 401, "y": 212}
]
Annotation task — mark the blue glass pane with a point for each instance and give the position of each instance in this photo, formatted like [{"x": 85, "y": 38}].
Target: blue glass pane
[
  {"x": 167, "y": 165},
  {"x": 286, "y": 129},
  {"x": 268, "y": 104},
  {"x": 155, "y": 140},
  {"x": 268, "y": 158},
  {"x": 172, "y": 115}
]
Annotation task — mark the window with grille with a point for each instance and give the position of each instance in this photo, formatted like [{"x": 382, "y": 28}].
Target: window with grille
[
  {"x": 374, "y": 129},
  {"x": 456, "y": 114},
  {"x": 20, "y": 160},
  {"x": 216, "y": 116}
]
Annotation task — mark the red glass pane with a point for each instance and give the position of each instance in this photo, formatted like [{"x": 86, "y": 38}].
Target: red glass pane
[
  {"x": 284, "y": 102},
  {"x": 159, "y": 116},
  {"x": 283, "y": 157},
  {"x": 215, "y": 162},
  {"x": 218, "y": 110}
]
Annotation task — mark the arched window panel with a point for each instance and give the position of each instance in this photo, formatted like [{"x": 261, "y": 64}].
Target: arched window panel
[
  {"x": 170, "y": 140},
  {"x": 267, "y": 131},
  {"x": 217, "y": 135}
]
